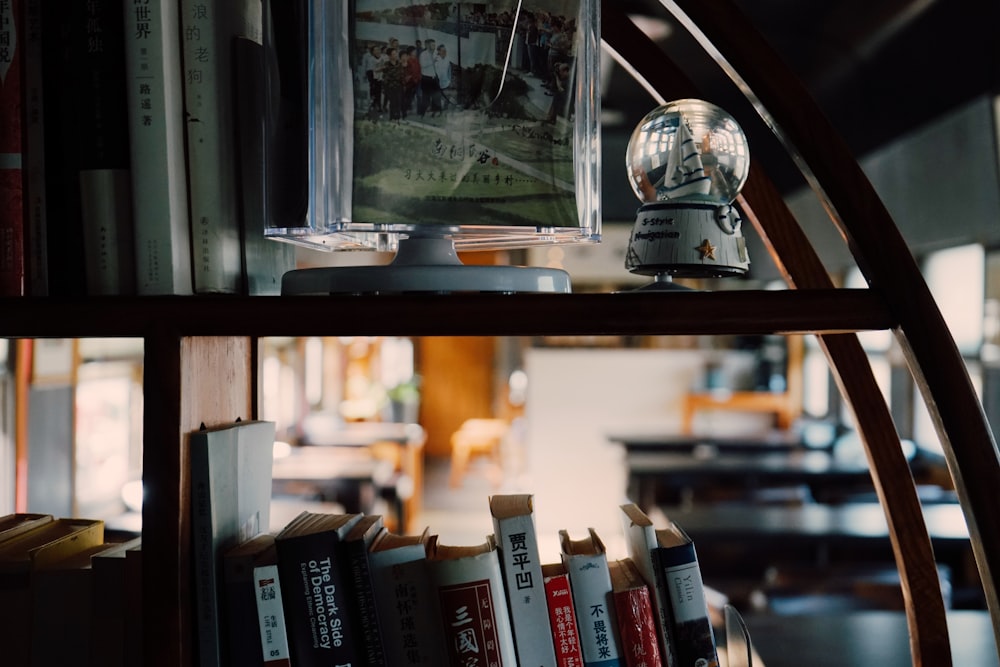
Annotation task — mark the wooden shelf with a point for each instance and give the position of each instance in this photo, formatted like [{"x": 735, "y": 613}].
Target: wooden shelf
[{"x": 626, "y": 313}]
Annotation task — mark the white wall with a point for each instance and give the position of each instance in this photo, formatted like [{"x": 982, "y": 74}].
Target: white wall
[{"x": 575, "y": 397}]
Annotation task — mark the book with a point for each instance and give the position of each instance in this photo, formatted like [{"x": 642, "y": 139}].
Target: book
[
  {"x": 36, "y": 270},
  {"x": 102, "y": 146},
  {"x": 314, "y": 591},
  {"x": 12, "y": 175},
  {"x": 637, "y": 621},
  {"x": 20, "y": 558},
  {"x": 230, "y": 503},
  {"x": 469, "y": 587},
  {"x": 61, "y": 599},
  {"x": 264, "y": 260},
  {"x": 562, "y": 615},
  {"x": 586, "y": 564},
  {"x": 517, "y": 542},
  {"x": 357, "y": 572},
  {"x": 408, "y": 617},
  {"x": 666, "y": 559},
  {"x": 64, "y": 232},
  {"x": 133, "y": 606},
  {"x": 154, "y": 91},
  {"x": 257, "y": 631},
  {"x": 207, "y": 31},
  {"x": 108, "y": 604},
  {"x": 19, "y": 523}
]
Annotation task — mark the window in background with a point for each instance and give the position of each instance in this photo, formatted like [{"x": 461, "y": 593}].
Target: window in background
[{"x": 955, "y": 277}]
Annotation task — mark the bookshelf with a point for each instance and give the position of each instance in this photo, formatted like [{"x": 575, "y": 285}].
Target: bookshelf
[{"x": 200, "y": 362}]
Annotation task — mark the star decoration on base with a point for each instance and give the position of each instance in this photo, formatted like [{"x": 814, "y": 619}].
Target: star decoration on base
[{"x": 706, "y": 249}]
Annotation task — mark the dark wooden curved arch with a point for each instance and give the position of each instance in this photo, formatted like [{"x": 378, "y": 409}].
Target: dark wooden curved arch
[{"x": 886, "y": 262}]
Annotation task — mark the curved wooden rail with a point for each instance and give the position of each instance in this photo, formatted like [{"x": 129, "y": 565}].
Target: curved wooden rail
[{"x": 881, "y": 253}]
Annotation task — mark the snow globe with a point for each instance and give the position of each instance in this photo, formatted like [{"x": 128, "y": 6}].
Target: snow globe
[{"x": 687, "y": 161}]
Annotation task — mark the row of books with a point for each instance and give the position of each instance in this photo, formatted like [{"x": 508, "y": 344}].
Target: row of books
[
  {"x": 131, "y": 143},
  {"x": 68, "y": 596},
  {"x": 340, "y": 588}
]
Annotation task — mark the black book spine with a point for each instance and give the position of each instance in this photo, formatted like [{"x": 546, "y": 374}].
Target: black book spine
[
  {"x": 365, "y": 607},
  {"x": 316, "y": 602}
]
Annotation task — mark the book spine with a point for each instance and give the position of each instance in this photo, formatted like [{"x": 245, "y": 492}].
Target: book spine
[
  {"x": 205, "y": 575},
  {"x": 36, "y": 271},
  {"x": 473, "y": 612},
  {"x": 691, "y": 630},
  {"x": 206, "y": 31},
  {"x": 410, "y": 623},
  {"x": 637, "y": 627},
  {"x": 12, "y": 41},
  {"x": 524, "y": 589},
  {"x": 271, "y": 616},
  {"x": 156, "y": 139},
  {"x": 315, "y": 602},
  {"x": 591, "y": 583},
  {"x": 562, "y": 621},
  {"x": 360, "y": 577},
  {"x": 64, "y": 225},
  {"x": 103, "y": 148}
]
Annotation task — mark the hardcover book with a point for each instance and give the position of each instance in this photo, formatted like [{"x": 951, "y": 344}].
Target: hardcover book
[
  {"x": 637, "y": 621},
  {"x": 154, "y": 91},
  {"x": 12, "y": 90},
  {"x": 102, "y": 146},
  {"x": 470, "y": 596},
  {"x": 315, "y": 593},
  {"x": 517, "y": 544},
  {"x": 19, "y": 523},
  {"x": 231, "y": 501},
  {"x": 61, "y": 598},
  {"x": 208, "y": 30},
  {"x": 407, "y": 607},
  {"x": 36, "y": 270},
  {"x": 667, "y": 561},
  {"x": 257, "y": 631},
  {"x": 357, "y": 572},
  {"x": 109, "y": 605},
  {"x": 586, "y": 563},
  {"x": 20, "y": 559},
  {"x": 67, "y": 275},
  {"x": 562, "y": 615}
]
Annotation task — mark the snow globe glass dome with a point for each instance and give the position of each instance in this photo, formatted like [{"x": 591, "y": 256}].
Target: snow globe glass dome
[{"x": 687, "y": 161}]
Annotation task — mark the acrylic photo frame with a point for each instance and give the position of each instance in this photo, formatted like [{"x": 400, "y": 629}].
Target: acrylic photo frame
[{"x": 505, "y": 154}]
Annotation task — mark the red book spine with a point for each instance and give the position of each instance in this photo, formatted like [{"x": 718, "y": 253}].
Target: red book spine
[
  {"x": 637, "y": 625},
  {"x": 562, "y": 619},
  {"x": 11, "y": 147}
]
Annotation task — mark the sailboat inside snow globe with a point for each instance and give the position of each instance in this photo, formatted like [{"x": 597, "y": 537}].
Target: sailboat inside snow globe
[
  {"x": 687, "y": 161},
  {"x": 429, "y": 129}
]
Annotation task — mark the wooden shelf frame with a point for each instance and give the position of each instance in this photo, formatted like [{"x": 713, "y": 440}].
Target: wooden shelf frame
[
  {"x": 884, "y": 259},
  {"x": 200, "y": 358}
]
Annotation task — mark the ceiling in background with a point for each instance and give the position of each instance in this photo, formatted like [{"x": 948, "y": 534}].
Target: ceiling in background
[{"x": 878, "y": 69}]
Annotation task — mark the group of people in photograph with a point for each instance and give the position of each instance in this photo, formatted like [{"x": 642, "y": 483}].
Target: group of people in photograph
[{"x": 405, "y": 79}]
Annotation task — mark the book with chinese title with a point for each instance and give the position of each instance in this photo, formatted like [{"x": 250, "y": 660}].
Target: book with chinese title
[
  {"x": 562, "y": 615},
  {"x": 517, "y": 544},
  {"x": 470, "y": 596},
  {"x": 586, "y": 563}
]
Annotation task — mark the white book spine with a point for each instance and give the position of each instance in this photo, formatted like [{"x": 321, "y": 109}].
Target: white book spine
[
  {"x": 156, "y": 133},
  {"x": 525, "y": 590},
  {"x": 207, "y": 29},
  {"x": 473, "y": 610},
  {"x": 271, "y": 615},
  {"x": 590, "y": 581}
]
